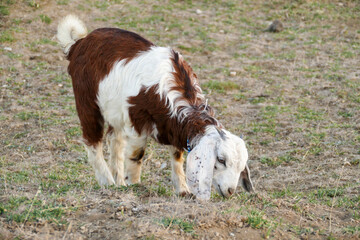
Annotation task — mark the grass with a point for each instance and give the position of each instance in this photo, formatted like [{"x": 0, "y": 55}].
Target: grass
[
  {"x": 285, "y": 159},
  {"x": 25, "y": 116},
  {"x": 45, "y": 19},
  {"x": 4, "y": 10},
  {"x": 258, "y": 220},
  {"x": 22, "y": 209},
  {"x": 308, "y": 115},
  {"x": 184, "y": 225},
  {"x": 6, "y": 36},
  {"x": 220, "y": 87},
  {"x": 294, "y": 97}
]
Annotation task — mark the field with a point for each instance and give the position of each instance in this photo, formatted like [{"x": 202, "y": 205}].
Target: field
[{"x": 293, "y": 95}]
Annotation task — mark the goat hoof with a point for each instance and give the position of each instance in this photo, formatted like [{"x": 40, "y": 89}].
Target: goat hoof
[{"x": 187, "y": 195}]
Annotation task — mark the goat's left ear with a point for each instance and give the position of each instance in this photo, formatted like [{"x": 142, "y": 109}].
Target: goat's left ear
[
  {"x": 199, "y": 169},
  {"x": 246, "y": 180}
]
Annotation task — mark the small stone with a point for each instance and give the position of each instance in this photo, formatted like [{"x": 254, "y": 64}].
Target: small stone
[
  {"x": 275, "y": 26},
  {"x": 163, "y": 165},
  {"x": 198, "y": 11},
  {"x": 7, "y": 48},
  {"x": 221, "y": 31},
  {"x": 231, "y": 234},
  {"x": 135, "y": 209},
  {"x": 157, "y": 164},
  {"x": 232, "y": 74},
  {"x": 60, "y": 85}
]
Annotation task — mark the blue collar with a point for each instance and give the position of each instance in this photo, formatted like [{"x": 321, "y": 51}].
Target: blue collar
[{"x": 188, "y": 148}]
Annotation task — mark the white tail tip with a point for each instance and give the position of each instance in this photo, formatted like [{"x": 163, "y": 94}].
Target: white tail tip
[{"x": 70, "y": 29}]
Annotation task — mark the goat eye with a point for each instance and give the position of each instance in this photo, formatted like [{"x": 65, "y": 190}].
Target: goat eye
[{"x": 221, "y": 160}]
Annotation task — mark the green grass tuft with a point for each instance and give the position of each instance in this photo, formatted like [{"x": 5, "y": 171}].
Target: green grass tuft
[
  {"x": 220, "y": 87},
  {"x": 6, "y": 36},
  {"x": 45, "y": 19},
  {"x": 184, "y": 225}
]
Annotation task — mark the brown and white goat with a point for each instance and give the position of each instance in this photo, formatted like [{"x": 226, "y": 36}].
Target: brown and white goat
[{"x": 142, "y": 90}]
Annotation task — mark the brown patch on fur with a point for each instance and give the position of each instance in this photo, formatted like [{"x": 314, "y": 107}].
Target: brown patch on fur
[
  {"x": 147, "y": 109},
  {"x": 186, "y": 84},
  {"x": 137, "y": 155},
  {"x": 110, "y": 130},
  {"x": 91, "y": 59},
  {"x": 178, "y": 155},
  {"x": 185, "y": 80}
]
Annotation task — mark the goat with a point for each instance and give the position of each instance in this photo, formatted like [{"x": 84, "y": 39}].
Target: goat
[{"x": 142, "y": 90}]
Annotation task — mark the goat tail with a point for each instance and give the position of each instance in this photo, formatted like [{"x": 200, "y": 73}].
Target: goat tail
[{"x": 69, "y": 30}]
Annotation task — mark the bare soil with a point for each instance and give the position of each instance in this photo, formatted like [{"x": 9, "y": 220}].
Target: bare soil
[{"x": 293, "y": 95}]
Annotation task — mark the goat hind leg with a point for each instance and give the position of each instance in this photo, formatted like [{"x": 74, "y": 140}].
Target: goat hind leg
[
  {"x": 96, "y": 159},
  {"x": 117, "y": 148}
]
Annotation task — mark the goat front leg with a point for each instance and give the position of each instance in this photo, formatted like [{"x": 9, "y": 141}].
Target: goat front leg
[
  {"x": 96, "y": 159},
  {"x": 177, "y": 172},
  {"x": 117, "y": 146},
  {"x": 135, "y": 151}
]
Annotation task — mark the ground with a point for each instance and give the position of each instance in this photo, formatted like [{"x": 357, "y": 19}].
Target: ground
[{"x": 293, "y": 95}]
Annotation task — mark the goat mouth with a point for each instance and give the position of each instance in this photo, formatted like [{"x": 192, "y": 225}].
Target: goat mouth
[{"x": 219, "y": 190}]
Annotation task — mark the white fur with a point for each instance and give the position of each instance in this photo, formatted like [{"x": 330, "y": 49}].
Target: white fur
[
  {"x": 117, "y": 145},
  {"x": 70, "y": 29},
  {"x": 200, "y": 165},
  {"x": 204, "y": 169},
  {"x": 96, "y": 159}
]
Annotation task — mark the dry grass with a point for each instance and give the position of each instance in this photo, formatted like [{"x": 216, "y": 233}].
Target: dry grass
[{"x": 294, "y": 97}]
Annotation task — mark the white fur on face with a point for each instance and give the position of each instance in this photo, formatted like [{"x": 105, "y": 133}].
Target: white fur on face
[
  {"x": 204, "y": 168},
  {"x": 233, "y": 152}
]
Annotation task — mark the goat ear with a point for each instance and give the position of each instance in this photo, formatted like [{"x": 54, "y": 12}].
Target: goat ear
[
  {"x": 199, "y": 169},
  {"x": 246, "y": 180}
]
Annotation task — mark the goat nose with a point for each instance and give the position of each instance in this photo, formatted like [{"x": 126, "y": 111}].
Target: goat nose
[{"x": 231, "y": 191}]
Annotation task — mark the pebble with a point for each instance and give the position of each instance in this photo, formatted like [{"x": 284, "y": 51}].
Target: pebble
[
  {"x": 8, "y": 48},
  {"x": 232, "y": 74},
  {"x": 157, "y": 164},
  {"x": 163, "y": 165},
  {"x": 231, "y": 234},
  {"x": 276, "y": 26},
  {"x": 135, "y": 209},
  {"x": 198, "y": 11}
]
